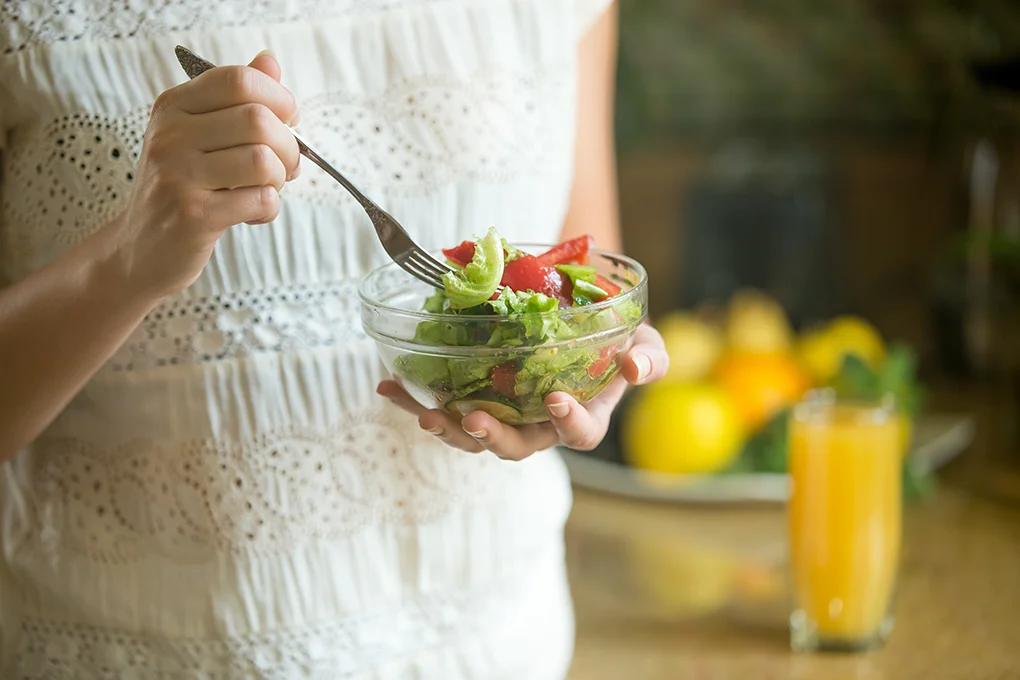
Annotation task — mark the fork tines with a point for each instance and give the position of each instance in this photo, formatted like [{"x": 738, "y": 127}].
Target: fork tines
[{"x": 424, "y": 267}]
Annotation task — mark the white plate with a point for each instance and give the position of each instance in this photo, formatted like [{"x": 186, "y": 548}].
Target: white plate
[{"x": 938, "y": 439}]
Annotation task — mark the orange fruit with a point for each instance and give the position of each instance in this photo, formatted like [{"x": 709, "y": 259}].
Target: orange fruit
[{"x": 761, "y": 385}]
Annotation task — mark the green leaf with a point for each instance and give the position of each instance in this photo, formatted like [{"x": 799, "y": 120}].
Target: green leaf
[
  {"x": 511, "y": 252},
  {"x": 466, "y": 372},
  {"x": 436, "y": 303},
  {"x": 530, "y": 318},
  {"x": 855, "y": 378},
  {"x": 766, "y": 450},
  {"x": 476, "y": 283},
  {"x": 423, "y": 369}
]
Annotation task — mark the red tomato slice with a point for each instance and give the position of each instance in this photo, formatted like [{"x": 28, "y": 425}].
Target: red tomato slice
[
  {"x": 461, "y": 254},
  {"x": 529, "y": 273},
  {"x": 504, "y": 380},
  {"x": 599, "y": 366},
  {"x": 607, "y": 285},
  {"x": 574, "y": 251}
]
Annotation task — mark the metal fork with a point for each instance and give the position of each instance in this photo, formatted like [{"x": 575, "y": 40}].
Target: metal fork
[{"x": 395, "y": 240}]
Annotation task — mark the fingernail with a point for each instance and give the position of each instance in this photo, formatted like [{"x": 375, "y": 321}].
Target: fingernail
[
  {"x": 438, "y": 431},
  {"x": 559, "y": 409},
  {"x": 296, "y": 119},
  {"x": 644, "y": 366},
  {"x": 267, "y": 52},
  {"x": 480, "y": 434}
]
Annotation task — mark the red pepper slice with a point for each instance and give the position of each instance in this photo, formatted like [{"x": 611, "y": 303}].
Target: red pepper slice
[
  {"x": 504, "y": 379},
  {"x": 607, "y": 285},
  {"x": 574, "y": 251},
  {"x": 605, "y": 359},
  {"x": 461, "y": 254}
]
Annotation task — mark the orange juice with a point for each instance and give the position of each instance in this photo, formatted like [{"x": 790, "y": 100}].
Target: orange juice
[{"x": 844, "y": 521}]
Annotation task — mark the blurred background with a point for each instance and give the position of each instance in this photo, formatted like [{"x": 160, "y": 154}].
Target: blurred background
[
  {"x": 825, "y": 193},
  {"x": 820, "y": 149},
  {"x": 843, "y": 158}
]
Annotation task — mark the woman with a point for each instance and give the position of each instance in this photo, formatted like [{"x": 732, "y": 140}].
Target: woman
[{"x": 201, "y": 479}]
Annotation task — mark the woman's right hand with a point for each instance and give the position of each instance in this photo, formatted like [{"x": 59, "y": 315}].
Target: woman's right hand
[{"x": 217, "y": 152}]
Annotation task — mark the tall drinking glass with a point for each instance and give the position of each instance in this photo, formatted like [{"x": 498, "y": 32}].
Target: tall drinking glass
[{"x": 845, "y": 524}]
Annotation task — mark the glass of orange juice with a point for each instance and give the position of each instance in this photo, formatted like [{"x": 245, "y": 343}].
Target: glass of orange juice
[{"x": 844, "y": 517}]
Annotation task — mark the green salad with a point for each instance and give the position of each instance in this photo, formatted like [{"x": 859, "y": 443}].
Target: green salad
[{"x": 538, "y": 324}]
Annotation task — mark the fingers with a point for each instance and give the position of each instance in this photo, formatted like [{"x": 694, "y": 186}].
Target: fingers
[
  {"x": 432, "y": 421},
  {"x": 223, "y": 135},
  {"x": 508, "y": 441},
  {"x": 647, "y": 361},
  {"x": 252, "y": 205},
  {"x": 392, "y": 390},
  {"x": 242, "y": 125},
  {"x": 252, "y": 165},
  {"x": 265, "y": 61},
  {"x": 449, "y": 430},
  {"x": 583, "y": 427},
  {"x": 226, "y": 86},
  {"x": 477, "y": 432},
  {"x": 571, "y": 424}
]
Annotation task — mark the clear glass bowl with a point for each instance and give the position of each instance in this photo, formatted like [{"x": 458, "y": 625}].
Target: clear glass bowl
[{"x": 458, "y": 376}]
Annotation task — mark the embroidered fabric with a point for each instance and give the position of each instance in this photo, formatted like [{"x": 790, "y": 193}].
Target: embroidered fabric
[
  {"x": 186, "y": 500},
  {"x": 72, "y": 175},
  {"x": 231, "y": 325},
  {"x": 429, "y": 132},
  {"x": 28, "y": 24},
  {"x": 66, "y": 178}
]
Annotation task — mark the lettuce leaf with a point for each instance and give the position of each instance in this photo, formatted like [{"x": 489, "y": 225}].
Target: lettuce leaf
[{"x": 476, "y": 283}]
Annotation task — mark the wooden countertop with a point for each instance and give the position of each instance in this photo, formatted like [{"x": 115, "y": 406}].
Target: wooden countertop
[{"x": 666, "y": 591}]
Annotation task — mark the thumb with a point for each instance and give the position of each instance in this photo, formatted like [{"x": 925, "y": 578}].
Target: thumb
[{"x": 266, "y": 62}]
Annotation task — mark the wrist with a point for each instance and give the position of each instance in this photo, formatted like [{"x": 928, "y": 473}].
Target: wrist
[{"x": 109, "y": 275}]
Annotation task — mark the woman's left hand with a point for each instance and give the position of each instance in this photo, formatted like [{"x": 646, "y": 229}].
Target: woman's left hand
[{"x": 570, "y": 424}]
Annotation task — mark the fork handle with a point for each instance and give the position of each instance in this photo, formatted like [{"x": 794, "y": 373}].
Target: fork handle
[
  {"x": 195, "y": 66},
  {"x": 310, "y": 153}
]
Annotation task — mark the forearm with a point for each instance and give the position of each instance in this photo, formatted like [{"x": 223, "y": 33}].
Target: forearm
[
  {"x": 57, "y": 327},
  {"x": 594, "y": 206}
]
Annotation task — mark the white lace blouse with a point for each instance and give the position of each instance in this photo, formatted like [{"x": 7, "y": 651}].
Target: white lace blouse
[{"x": 228, "y": 498}]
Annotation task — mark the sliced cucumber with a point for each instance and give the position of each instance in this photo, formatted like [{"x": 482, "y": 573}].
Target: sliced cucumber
[{"x": 504, "y": 413}]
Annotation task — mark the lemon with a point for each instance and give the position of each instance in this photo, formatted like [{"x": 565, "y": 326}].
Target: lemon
[
  {"x": 856, "y": 335},
  {"x": 693, "y": 345},
  {"x": 682, "y": 428},
  {"x": 757, "y": 323},
  {"x": 822, "y": 350}
]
